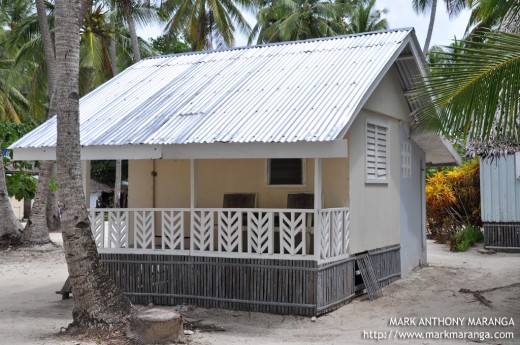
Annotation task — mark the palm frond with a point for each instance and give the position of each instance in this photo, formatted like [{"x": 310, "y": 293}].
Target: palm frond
[{"x": 474, "y": 92}]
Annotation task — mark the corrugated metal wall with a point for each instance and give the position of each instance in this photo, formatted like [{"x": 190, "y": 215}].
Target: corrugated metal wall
[{"x": 499, "y": 190}]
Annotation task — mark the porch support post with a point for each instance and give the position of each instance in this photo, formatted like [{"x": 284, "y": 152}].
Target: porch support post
[
  {"x": 193, "y": 186},
  {"x": 85, "y": 176},
  {"x": 317, "y": 205},
  {"x": 193, "y": 201}
]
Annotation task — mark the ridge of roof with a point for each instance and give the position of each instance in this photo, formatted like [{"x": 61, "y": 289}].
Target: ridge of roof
[{"x": 274, "y": 44}]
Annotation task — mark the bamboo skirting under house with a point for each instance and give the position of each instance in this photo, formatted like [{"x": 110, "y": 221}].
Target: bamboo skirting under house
[
  {"x": 301, "y": 287},
  {"x": 502, "y": 236}
]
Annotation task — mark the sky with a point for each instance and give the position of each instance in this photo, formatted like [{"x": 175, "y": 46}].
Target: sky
[{"x": 400, "y": 15}]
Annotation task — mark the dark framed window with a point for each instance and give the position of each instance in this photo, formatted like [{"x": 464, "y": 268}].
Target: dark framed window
[{"x": 285, "y": 171}]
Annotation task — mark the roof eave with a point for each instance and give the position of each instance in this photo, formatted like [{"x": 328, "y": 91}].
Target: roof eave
[{"x": 302, "y": 149}]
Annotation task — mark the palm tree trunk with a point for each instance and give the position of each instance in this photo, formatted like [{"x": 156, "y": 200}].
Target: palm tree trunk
[
  {"x": 37, "y": 227},
  {"x": 48, "y": 47},
  {"x": 36, "y": 230},
  {"x": 117, "y": 184},
  {"x": 132, "y": 30},
  {"x": 96, "y": 298},
  {"x": 112, "y": 45},
  {"x": 10, "y": 227},
  {"x": 426, "y": 47},
  {"x": 53, "y": 221}
]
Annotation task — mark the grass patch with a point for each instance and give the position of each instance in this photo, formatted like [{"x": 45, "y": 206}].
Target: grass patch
[{"x": 466, "y": 238}]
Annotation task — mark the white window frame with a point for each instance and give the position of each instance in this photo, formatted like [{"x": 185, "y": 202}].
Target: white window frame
[
  {"x": 376, "y": 123},
  {"x": 268, "y": 175}
]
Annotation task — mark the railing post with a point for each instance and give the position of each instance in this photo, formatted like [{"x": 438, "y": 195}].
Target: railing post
[{"x": 193, "y": 195}]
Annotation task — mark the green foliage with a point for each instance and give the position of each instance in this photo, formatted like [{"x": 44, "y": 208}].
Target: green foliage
[
  {"x": 169, "y": 44},
  {"x": 466, "y": 238},
  {"x": 473, "y": 90},
  {"x": 21, "y": 185},
  {"x": 206, "y": 23},
  {"x": 365, "y": 17},
  {"x": 289, "y": 20},
  {"x": 453, "y": 201},
  {"x": 20, "y": 181},
  {"x": 10, "y": 132}
]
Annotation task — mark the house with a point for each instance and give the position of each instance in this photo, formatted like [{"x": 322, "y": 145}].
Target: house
[
  {"x": 500, "y": 201},
  {"x": 259, "y": 175}
]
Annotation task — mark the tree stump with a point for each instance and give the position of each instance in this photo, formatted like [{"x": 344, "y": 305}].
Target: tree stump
[{"x": 156, "y": 326}]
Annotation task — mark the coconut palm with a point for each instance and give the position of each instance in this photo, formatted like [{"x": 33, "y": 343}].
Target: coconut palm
[
  {"x": 365, "y": 17},
  {"x": 490, "y": 14},
  {"x": 475, "y": 92},
  {"x": 132, "y": 13},
  {"x": 12, "y": 11},
  {"x": 13, "y": 105},
  {"x": 208, "y": 23},
  {"x": 96, "y": 298},
  {"x": 454, "y": 7},
  {"x": 291, "y": 20}
]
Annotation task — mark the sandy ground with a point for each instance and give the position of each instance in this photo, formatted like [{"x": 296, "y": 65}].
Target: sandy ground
[{"x": 31, "y": 312}]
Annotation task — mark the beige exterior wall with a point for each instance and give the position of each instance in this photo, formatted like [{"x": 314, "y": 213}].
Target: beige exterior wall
[
  {"x": 17, "y": 207},
  {"x": 375, "y": 207},
  {"x": 140, "y": 182},
  {"x": 217, "y": 177}
]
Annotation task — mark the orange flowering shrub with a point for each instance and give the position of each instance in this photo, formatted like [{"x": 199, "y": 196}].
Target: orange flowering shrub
[{"x": 453, "y": 201}]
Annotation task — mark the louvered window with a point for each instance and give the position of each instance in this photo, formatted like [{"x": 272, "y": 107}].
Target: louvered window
[
  {"x": 377, "y": 153},
  {"x": 285, "y": 171}
]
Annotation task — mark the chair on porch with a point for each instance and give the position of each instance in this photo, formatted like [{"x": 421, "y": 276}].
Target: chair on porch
[
  {"x": 300, "y": 200},
  {"x": 304, "y": 201},
  {"x": 239, "y": 200}
]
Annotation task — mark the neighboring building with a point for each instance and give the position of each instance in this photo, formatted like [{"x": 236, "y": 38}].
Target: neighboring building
[
  {"x": 96, "y": 189},
  {"x": 500, "y": 201},
  {"x": 258, "y": 175}
]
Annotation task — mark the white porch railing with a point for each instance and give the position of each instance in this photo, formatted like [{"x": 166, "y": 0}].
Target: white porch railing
[{"x": 245, "y": 233}]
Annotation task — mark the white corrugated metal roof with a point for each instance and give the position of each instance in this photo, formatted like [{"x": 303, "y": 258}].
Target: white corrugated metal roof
[{"x": 288, "y": 92}]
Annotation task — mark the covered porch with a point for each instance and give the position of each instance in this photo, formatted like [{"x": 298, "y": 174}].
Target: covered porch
[{"x": 193, "y": 247}]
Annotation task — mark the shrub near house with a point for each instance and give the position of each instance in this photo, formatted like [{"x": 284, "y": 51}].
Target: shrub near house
[{"x": 453, "y": 206}]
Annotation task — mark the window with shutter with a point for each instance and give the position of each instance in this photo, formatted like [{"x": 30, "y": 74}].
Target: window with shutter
[{"x": 376, "y": 153}]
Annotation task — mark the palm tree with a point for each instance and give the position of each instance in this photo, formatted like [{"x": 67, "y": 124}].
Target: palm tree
[
  {"x": 42, "y": 217},
  {"x": 207, "y": 22},
  {"x": 365, "y": 18},
  {"x": 96, "y": 298},
  {"x": 13, "y": 104},
  {"x": 489, "y": 14},
  {"x": 475, "y": 93},
  {"x": 132, "y": 12},
  {"x": 454, "y": 7},
  {"x": 291, "y": 20}
]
